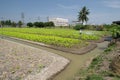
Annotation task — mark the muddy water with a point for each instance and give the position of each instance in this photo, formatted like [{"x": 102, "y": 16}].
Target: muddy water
[{"x": 77, "y": 61}]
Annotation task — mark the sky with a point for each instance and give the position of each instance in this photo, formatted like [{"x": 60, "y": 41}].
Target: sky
[{"x": 101, "y": 11}]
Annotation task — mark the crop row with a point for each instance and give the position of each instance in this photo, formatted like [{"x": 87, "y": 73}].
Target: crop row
[
  {"x": 52, "y": 40},
  {"x": 65, "y": 33}
]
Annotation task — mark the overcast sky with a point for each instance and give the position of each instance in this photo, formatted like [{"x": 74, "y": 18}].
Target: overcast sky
[{"x": 101, "y": 11}]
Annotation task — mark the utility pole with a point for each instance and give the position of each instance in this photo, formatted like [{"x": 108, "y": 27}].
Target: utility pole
[
  {"x": 38, "y": 18},
  {"x": 48, "y": 19},
  {"x": 22, "y": 17},
  {"x": 2, "y": 28}
]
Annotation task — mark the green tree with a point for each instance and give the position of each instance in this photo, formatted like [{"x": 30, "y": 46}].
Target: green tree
[
  {"x": 39, "y": 24},
  {"x": 13, "y": 24},
  {"x": 36, "y": 24},
  {"x": 2, "y": 23},
  {"x": 49, "y": 24},
  {"x": 8, "y": 22},
  {"x": 82, "y": 17},
  {"x": 20, "y": 23},
  {"x": 30, "y": 24}
]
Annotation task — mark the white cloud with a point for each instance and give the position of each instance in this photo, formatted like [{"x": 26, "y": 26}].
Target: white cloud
[
  {"x": 68, "y": 7},
  {"x": 112, "y": 3}
]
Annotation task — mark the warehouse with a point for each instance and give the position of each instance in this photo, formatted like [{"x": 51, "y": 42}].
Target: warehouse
[{"x": 59, "y": 21}]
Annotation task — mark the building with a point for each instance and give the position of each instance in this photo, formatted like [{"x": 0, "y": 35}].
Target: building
[{"x": 59, "y": 21}]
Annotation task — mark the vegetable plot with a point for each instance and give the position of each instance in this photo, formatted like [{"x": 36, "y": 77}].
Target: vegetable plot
[
  {"x": 52, "y": 40},
  {"x": 65, "y": 33},
  {"x": 58, "y": 37}
]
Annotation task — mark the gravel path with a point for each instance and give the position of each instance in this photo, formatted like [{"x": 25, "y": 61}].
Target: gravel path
[{"x": 22, "y": 62}]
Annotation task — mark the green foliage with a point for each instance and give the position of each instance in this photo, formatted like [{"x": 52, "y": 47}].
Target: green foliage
[
  {"x": 2, "y": 23},
  {"x": 90, "y": 27},
  {"x": 56, "y": 37},
  {"x": 39, "y": 24},
  {"x": 53, "y": 40},
  {"x": 99, "y": 28},
  {"x": 88, "y": 37},
  {"x": 29, "y": 24},
  {"x": 49, "y": 24},
  {"x": 116, "y": 33},
  {"x": 20, "y": 23},
  {"x": 13, "y": 24},
  {"x": 94, "y": 77},
  {"x": 95, "y": 62},
  {"x": 111, "y": 46},
  {"x": 73, "y": 34},
  {"x": 36, "y": 24},
  {"x": 8, "y": 22},
  {"x": 83, "y": 15},
  {"x": 79, "y": 26}
]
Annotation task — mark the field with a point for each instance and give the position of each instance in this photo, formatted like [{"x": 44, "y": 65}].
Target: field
[
  {"x": 22, "y": 62},
  {"x": 57, "y": 37}
]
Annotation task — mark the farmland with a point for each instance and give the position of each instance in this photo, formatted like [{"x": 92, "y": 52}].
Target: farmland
[
  {"x": 67, "y": 38},
  {"x": 57, "y": 37}
]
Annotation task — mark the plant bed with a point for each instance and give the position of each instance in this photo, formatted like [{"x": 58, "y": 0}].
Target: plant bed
[{"x": 75, "y": 50}]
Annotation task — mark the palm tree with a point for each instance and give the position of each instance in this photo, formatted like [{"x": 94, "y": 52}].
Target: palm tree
[{"x": 82, "y": 17}]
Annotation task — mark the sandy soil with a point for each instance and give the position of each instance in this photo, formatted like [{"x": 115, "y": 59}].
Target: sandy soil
[{"x": 22, "y": 62}]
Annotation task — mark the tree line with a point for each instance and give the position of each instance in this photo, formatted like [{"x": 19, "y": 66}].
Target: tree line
[
  {"x": 40, "y": 24},
  {"x": 9, "y": 23}
]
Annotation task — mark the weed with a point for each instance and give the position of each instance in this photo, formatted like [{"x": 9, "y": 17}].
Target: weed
[{"x": 94, "y": 77}]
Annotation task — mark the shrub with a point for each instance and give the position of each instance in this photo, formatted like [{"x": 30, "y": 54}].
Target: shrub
[
  {"x": 94, "y": 77},
  {"x": 95, "y": 62},
  {"x": 49, "y": 24},
  {"x": 39, "y": 24},
  {"x": 30, "y": 24},
  {"x": 20, "y": 23},
  {"x": 100, "y": 28},
  {"x": 13, "y": 24},
  {"x": 78, "y": 27}
]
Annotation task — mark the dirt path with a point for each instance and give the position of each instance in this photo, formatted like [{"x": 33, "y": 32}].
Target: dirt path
[{"x": 77, "y": 61}]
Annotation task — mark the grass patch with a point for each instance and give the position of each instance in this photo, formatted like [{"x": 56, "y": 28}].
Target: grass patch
[
  {"x": 94, "y": 77},
  {"x": 95, "y": 62},
  {"x": 99, "y": 68}
]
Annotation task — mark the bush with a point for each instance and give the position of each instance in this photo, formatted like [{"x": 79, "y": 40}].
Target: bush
[
  {"x": 95, "y": 62},
  {"x": 116, "y": 33},
  {"x": 49, "y": 24},
  {"x": 78, "y": 27},
  {"x": 94, "y": 77},
  {"x": 13, "y": 24},
  {"x": 20, "y": 23},
  {"x": 90, "y": 27},
  {"x": 100, "y": 28},
  {"x": 39, "y": 24},
  {"x": 30, "y": 24}
]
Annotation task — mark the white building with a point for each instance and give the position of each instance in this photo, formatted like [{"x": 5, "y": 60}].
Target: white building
[{"x": 59, "y": 21}]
